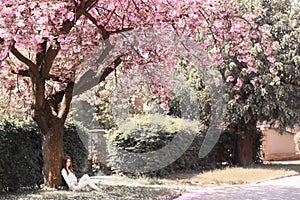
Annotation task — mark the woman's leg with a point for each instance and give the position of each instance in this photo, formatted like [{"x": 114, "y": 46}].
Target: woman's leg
[
  {"x": 93, "y": 185},
  {"x": 90, "y": 182},
  {"x": 84, "y": 181}
]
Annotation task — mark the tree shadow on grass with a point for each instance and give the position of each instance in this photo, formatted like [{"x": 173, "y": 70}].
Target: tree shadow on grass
[{"x": 106, "y": 192}]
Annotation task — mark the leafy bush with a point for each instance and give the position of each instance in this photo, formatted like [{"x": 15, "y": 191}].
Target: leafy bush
[
  {"x": 152, "y": 135},
  {"x": 225, "y": 151},
  {"x": 144, "y": 134},
  {"x": 21, "y": 160},
  {"x": 76, "y": 146},
  {"x": 257, "y": 146},
  {"x": 21, "y": 156}
]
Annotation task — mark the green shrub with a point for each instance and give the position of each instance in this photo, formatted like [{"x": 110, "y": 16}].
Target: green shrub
[
  {"x": 76, "y": 146},
  {"x": 142, "y": 134},
  {"x": 225, "y": 151},
  {"x": 21, "y": 160},
  {"x": 21, "y": 157},
  {"x": 257, "y": 146},
  {"x": 147, "y": 133}
]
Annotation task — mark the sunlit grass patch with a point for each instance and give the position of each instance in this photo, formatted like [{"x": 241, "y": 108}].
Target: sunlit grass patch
[{"x": 231, "y": 175}]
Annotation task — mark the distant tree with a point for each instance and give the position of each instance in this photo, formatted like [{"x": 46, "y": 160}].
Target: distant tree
[{"x": 268, "y": 89}]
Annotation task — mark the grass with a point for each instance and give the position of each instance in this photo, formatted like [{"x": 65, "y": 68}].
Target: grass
[
  {"x": 107, "y": 192},
  {"x": 231, "y": 175},
  {"x": 125, "y": 188}
]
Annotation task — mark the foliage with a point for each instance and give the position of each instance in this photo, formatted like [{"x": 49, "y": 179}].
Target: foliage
[
  {"x": 146, "y": 133},
  {"x": 141, "y": 135},
  {"x": 104, "y": 108},
  {"x": 267, "y": 87},
  {"x": 21, "y": 156},
  {"x": 53, "y": 38},
  {"x": 21, "y": 152},
  {"x": 76, "y": 146},
  {"x": 267, "y": 92},
  {"x": 225, "y": 151}
]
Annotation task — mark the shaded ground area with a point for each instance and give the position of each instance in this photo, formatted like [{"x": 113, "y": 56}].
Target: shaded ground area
[{"x": 106, "y": 192}]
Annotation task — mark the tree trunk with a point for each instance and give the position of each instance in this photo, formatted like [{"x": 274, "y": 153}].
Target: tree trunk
[
  {"x": 244, "y": 148},
  {"x": 53, "y": 153}
]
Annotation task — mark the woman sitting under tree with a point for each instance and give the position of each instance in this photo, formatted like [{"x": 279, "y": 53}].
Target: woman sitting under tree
[{"x": 71, "y": 180}]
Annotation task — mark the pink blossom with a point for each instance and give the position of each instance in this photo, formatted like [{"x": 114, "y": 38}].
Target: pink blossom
[
  {"x": 253, "y": 81},
  {"x": 181, "y": 24},
  {"x": 232, "y": 53},
  {"x": 273, "y": 70},
  {"x": 45, "y": 19},
  {"x": 21, "y": 24},
  {"x": 268, "y": 51},
  {"x": 218, "y": 24},
  {"x": 229, "y": 79},
  {"x": 240, "y": 59},
  {"x": 76, "y": 49},
  {"x": 70, "y": 16},
  {"x": 271, "y": 59},
  {"x": 239, "y": 84},
  {"x": 210, "y": 81},
  {"x": 64, "y": 47},
  {"x": 251, "y": 69},
  {"x": 237, "y": 96},
  {"x": 206, "y": 43}
]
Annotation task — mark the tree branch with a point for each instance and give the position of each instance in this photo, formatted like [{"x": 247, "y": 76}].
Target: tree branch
[
  {"x": 24, "y": 73},
  {"x": 66, "y": 102},
  {"x": 90, "y": 78},
  {"x": 52, "y": 77},
  {"x": 55, "y": 100},
  {"x": 33, "y": 68},
  {"x": 104, "y": 33},
  {"x": 66, "y": 28},
  {"x": 120, "y": 30}
]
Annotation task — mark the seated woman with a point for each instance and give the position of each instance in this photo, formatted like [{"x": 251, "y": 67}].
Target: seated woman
[{"x": 71, "y": 180}]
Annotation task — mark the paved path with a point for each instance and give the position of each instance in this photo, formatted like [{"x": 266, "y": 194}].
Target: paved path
[{"x": 278, "y": 189}]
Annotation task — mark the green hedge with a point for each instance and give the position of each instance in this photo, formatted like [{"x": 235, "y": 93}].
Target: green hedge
[
  {"x": 76, "y": 146},
  {"x": 147, "y": 133},
  {"x": 21, "y": 153},
  {"x": 225, "y": 151},
  {"x": 21, "y": 157},
  {"x": 142, "y": 134}
]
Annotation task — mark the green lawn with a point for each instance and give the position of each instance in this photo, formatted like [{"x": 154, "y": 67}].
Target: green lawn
[
  {"x": 106, "y": 192},
  {"x": 167, "y": 187},
  {"x": 232, "y": 175}
]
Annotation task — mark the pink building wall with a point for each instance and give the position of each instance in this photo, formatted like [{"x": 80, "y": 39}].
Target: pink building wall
[{"x": 277, "y": 146}]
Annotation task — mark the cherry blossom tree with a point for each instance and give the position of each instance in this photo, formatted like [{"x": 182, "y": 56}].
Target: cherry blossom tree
[
  {"x": 44, "y": 43},
  {"x": 268, "y": 91}
]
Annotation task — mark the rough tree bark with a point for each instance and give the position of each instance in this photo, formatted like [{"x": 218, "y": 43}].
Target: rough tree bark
[
  {"x": 245, "y": 144},
  {"x": 244, "y": 148},
  {"x": 53, "y": 153}
]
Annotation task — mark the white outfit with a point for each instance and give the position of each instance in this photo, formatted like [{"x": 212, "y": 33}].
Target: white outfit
[{"x": 71, "y": 180}]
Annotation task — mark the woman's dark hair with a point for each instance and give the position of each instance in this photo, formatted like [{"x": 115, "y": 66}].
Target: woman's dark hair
[{"x": 66, "y": 158}]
